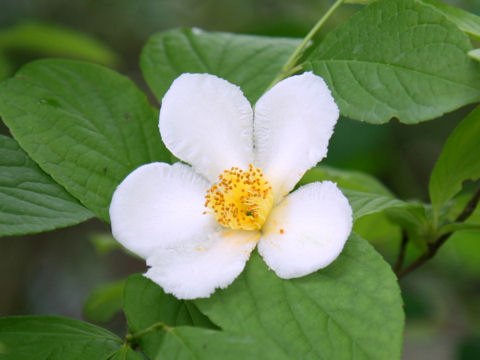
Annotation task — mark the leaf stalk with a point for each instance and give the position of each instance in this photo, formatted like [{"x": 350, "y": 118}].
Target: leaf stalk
[{"x": 132, "y": 338}]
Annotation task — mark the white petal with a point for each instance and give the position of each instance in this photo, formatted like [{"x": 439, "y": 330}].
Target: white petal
[
  {"x": 306, "y": 231},
  {"x": 196, "y": 270},
  {"x": 159, "y": 205},
  {"x": 293, "y": 124},
  {"x": 207, "y": 122}
]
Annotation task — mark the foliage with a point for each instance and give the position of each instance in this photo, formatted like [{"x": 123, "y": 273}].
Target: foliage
[
  {"x": 79, "y": 129},
  {"x": 43, "y": 39}
]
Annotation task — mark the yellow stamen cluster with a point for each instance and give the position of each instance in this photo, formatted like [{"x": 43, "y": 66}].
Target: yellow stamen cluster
[{"x": 241, "y": 199}]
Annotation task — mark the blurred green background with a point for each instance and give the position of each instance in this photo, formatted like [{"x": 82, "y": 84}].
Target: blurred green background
[{"x": 53, "y": 273}]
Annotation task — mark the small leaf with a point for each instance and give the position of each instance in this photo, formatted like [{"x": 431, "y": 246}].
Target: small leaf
[
  {"x": 458, "y": 161},
  {"x": 251, "y": 62},
  {"x": 86, "y": 126},
  {"x": 415, "y": 221},
  {"x": 145, "y": 304},
  {"x": 104, "y": 302},
  {"x": 351, "y": 309},
  {"x": 465, "y": 20},
  {"x": 30, "y": 201},
  {"x": 103, "y": 243},
  {"x": 397, "y": 58},
  {"x": 54, "y": 338}
]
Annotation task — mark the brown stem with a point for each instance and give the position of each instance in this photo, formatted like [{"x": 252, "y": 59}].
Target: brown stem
[
  {"x": 433, "y": 247},
  {"x": 470, "y": 208},
  {"x": 401, "y": 252}
]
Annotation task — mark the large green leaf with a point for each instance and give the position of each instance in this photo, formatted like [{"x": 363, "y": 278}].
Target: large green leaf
[
  {"x": 366, "y": 194},
  {"x": 346, "y": 179},
  {"x": 351, "y": 309},
  {"x": 53, "y": 40},
  {"x": 86, "y": 126},
  {"x": 54, "y": 338},
  {"x": 145, "y": 304},
  {"x": 397, "y": 58},
  {"x": 126, "y": 353},
  {"x": 251, "y": 62},
  {"x": 459, "y": 161},
  {"x": 189, "y": 343},
  {"x": 30, "y": 201},
  {"x": 465, "y": 20}
]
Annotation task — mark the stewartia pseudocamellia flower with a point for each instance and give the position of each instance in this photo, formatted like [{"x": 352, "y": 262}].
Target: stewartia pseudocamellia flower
[{"x": 197, "y": 225}]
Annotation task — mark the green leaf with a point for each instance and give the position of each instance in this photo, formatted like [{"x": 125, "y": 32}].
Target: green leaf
[
  {"x": 457, "y": 227},
  {"x": 415, "y": 221},
  {"x": 366, "y": 194},
  {"x": 145, "y": 304},
  {"x": 363, "y": 203},
  {"x": 380, "y": 232},
  {"x": 397, "y": 58},
  {"x": 252, "y": 62},
  {"x": 346, "y": 179},
  {"x": 54, "y": 338},
  {"x": 104, "y": 302},
  {"x": 126, "y": 353},
  {"x": 104, "y": 243},
  {"x": 474, "y": 54},
  {"x": 6, "y": 67},
  {"x": 361, "y": 2},
  {"x": 465, "y": 20},
  {"x": 53, "y": 40},
  {"x": 458, "y": 205},
  {"x": 458, "y": 161},
  {"x": 86, "y": 126},
  {"x": 189, "y": 343},
  {"x": 30, "y": 201},
  {"x": 351, "y": 309},
  {"x": 462, "y": 251}
]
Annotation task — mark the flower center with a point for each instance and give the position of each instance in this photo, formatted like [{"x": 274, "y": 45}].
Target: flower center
[{"x": 241, "y": 199}]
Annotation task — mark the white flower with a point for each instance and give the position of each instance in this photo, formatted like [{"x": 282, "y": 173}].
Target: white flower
[{"x": 195, "y": 229}]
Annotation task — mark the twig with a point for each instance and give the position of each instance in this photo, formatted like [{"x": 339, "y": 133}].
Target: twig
[
  {"x": 401, "y": 252},
  {"x": 470, "y": 207}
]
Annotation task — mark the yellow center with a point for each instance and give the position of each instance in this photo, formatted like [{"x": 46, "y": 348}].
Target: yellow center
[{"x": 241, "y": 199}]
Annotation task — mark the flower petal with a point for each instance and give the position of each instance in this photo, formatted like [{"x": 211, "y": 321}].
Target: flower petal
[
  {"x": 207, "y": 122},
  {"x": 307, "y": 230},
  {"x": 196, "y": 270},
  {"x": 293, "y": 124},
  {"x": 159, "y": 205}
]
